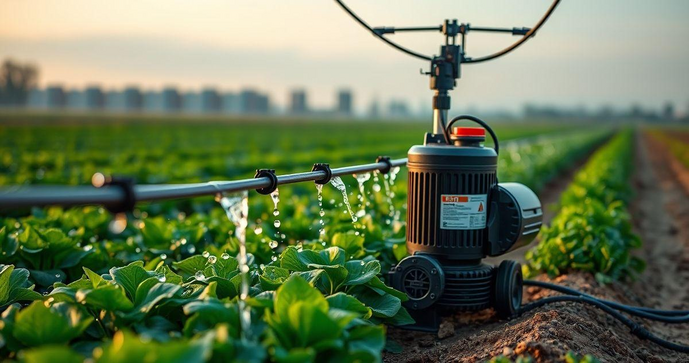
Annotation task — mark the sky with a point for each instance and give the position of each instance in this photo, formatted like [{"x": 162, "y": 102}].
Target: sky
[{"x": 591, "y": 52}]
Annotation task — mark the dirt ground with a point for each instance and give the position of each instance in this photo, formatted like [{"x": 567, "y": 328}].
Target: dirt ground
[{"x": 661, "y": 217}]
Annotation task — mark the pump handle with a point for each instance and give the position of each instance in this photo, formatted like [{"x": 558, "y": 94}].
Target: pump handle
[{"x": 477, "y": 120}]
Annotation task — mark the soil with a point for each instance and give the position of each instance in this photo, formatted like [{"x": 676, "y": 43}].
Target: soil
[{"x": 661, "y": 217}]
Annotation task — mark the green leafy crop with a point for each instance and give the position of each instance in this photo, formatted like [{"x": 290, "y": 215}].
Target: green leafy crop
[{"x": 593, "y": 230}]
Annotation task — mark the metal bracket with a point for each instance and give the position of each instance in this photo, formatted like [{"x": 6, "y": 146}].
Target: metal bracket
[
  {"x": 270, "y": 174},
  {"x": 386, "y": 160},
  {"x": 125, "y": 183},
  {"x": 323, "y": 167}
]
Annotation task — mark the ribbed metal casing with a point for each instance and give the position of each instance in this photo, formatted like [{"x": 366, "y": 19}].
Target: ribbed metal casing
[{"x": 438, "y": 170}]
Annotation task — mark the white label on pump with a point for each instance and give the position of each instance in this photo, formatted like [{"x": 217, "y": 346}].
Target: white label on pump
[{"x": 463, "y": 211}]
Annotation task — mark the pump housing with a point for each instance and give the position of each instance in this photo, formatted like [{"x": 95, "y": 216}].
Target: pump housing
[{"x": 457, "y": 215}]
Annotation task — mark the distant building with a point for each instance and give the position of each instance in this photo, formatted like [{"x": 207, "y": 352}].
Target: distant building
[
  {"x": 94, "y": 97},
  {"x": 344, "y": 102},
  {"x": 133, "y": 99},
  {"x": 37, "y": 99},
  {"x": 172, "y": 101},
  {"x": 192, "y": 102},
  {"x": 114, "y": 100},
  {"x": 297, "y": 104},
  {"x": 669, "y": 111},
  {"x": 56, "y": 97},
  {"x": 210, "y": 101},
  {"x": 153, "y": 101},
  {"x": 76, "y": 99},
  {"x": 230, "y": 103},
  {"x": 398, "y": 109},
  {"x": 253, "y": 102},
  {"x": 374, "y": 110}
]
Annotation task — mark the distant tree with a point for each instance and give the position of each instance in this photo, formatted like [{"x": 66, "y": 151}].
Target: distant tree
[{"x": 16, "y": 81}]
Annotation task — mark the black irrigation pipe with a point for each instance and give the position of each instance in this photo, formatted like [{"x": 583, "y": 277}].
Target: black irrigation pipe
[{"x": 119, "y": 195}]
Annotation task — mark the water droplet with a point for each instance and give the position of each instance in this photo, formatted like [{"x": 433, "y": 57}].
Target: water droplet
[
  {"x": 258, "y": 230},
  {"x": 273, "y": 244},
  {"x": 300, "y": 246},
  {"x": 212, "y": 259},
  {"x": 199, "y": 276},
  {"x": 205, "y": 254},
  {"x": 357, "y": 233},
  {"x": 277, "y": 223},
  {"x": 363, "y": 263},
  {"x": 88, "y": 248},
  {"x": 191, "y": 249},
  {"x": 57, "y": 276},
  {"x": 376, "y": 188},
  {"x": 276, "y": 212},
  {"x": 162, "y": 278},
  {"x": 225, "y": 256},
  {"x": 323, "y": 243},
  {"x": 183, "y": 241},
  {"x": 321, "y": 213},
  {"x": 274, "y": 258},
  {"x": 137, "y": 250},
  {"x": 163, "y": 257}
]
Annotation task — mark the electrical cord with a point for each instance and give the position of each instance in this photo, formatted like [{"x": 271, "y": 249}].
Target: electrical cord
[
  {"x": 476, "y": 120},
  {"x": 636, "y": 329}
]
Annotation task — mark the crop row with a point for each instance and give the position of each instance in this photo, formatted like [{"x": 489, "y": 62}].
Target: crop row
[{"x": 593, "y": 230}]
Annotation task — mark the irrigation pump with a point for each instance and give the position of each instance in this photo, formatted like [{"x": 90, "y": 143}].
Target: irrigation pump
[
  {"x": 457, "y": 212},
  {"x": 457, "y": 215}
]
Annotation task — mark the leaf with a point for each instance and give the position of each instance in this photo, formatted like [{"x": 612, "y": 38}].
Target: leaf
[
  {"x": 272, "y": 277},
  {"x": 376, "y": 284},
  {"x": 127, "y": 347},
  {"x": 369, "y": 339},
  {"x": 385, "y": 306},
  {"x": 294, "y": 290},
  {"x": 39, "y": 325},
  {"x": 346, "y": 302},
  {"x": 95, "y": 278},
  {"x": 190, "y": 265},
  {"x": 14, "y": 285},
  {"x": 352, "y": 244},
  {"x": 360, "y": 272},
  {"x": 108, "y": 297},
  {"x": 153, "y": 295},
  {"x": 51, "y": 353},
  {"x": 46, "y": 278},
  {"x": 130, "y": 276}
]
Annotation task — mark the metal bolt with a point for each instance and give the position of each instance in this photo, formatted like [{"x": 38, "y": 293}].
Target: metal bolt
[
  {"x": 434, "y": 271},
  {"x": 413, "y": 261},
  {"x": 416, "y": 305},
  {"x": 432, "y": 296}
]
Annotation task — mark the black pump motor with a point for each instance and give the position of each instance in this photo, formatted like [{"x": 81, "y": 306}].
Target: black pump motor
[{"x": 458, "y": 214}]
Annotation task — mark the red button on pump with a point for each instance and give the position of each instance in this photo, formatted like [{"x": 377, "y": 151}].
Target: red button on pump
[{"x": 470, "y": 131}]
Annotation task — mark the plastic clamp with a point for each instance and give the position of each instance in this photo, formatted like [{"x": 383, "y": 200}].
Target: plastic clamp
[
  {"x": 323, "y": 167},
  {"x": 127, "y": 185},
  {"x": 386, "y": 160},
  {"x": 270, "y": 174}
]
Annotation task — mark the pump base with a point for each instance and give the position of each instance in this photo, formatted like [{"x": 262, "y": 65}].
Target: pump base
[{"x": 436, "y": 289}]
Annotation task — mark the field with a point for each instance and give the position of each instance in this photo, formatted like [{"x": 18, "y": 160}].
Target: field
[{"x": 169, "y": 285}]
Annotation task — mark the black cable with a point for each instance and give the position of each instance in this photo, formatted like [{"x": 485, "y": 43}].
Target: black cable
[
  {"x": 380, "y": 36},
  {"x": 636, "y": 329},
  {"x": 480, "y": 122},
  {"x": 519, "y": 42},
  {"x": 446, "y": 134},
  {"x": 665, "y": 316}
]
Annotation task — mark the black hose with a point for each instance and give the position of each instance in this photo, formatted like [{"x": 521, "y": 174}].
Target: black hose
[
  {"x": 380, "y": 36},
  {"x": 636, "y": 329},
  {"x": 519, "y": 42},
  {"x": 665, "y": 316}
]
